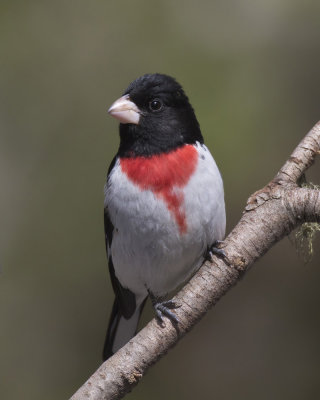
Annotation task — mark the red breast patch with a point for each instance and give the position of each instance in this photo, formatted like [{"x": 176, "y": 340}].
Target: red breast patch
[{"x": 165, "y": 175}]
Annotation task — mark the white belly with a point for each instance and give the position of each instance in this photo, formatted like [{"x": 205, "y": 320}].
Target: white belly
[{"x": 148, "y": 250}]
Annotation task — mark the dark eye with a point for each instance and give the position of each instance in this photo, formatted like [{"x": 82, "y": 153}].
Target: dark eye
[{"x": 155, "y": 105}]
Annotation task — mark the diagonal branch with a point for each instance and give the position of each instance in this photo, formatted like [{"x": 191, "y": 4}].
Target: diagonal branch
[
  {"x": 270, "y": 214},
  {"x": 302, "y": 157}
]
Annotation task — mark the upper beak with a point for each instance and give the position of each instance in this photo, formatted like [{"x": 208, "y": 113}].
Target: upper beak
[{"x": 125, "y": 111}]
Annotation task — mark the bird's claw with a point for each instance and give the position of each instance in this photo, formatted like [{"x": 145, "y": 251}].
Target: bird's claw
[
  {"x": 163, "y": 309},
  {"x": 216, "y": 250}
]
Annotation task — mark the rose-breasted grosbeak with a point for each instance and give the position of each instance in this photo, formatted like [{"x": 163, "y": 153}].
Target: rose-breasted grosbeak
[{"x": 164, "y": 202}]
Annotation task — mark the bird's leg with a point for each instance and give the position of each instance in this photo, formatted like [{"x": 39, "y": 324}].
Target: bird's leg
[
  {"x": 163, "y": 308},
  {"x": 215, "y": 250}
]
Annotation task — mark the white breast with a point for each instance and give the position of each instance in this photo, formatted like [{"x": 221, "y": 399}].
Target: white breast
[{"x": 148, "y": 250}]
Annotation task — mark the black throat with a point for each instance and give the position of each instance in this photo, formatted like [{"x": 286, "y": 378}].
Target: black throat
[{"x": 153, "y": 137}]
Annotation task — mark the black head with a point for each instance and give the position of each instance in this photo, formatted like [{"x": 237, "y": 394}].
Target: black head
[{"x": 159, "y": 117}]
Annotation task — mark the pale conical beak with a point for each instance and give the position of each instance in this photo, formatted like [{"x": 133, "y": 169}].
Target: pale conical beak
[{"x": 125, "y": 111}]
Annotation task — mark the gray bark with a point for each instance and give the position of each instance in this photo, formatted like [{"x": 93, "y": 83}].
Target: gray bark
[{"x": 270, "y": 214}]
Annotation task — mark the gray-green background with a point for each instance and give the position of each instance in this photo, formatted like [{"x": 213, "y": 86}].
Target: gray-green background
[{"x": 252, "y": 72}]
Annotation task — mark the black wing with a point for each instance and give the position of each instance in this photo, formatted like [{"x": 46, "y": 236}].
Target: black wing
[
  {"x": 124, "y": 305},
  {"x": 125, "y": 298}
]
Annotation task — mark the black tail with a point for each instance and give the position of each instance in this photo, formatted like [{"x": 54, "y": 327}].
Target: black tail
[{"x": 120, "y": 329}]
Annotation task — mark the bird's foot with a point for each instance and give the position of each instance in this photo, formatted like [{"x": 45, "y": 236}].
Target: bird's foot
[
  {"x": 163, "y": 309},
  {"x": 216, "y": 250}
]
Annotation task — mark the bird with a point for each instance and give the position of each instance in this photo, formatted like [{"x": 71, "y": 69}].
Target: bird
[{"x": 164, "y": 208}]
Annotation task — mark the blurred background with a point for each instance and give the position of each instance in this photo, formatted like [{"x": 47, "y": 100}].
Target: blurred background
[{"x": 251, "y": 70}]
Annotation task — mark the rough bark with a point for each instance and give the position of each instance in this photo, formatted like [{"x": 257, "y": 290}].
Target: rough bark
[{"x": 270, "y": 214}]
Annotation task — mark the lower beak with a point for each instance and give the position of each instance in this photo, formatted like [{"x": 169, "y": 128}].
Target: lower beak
[{"x": 125, "y": 111}]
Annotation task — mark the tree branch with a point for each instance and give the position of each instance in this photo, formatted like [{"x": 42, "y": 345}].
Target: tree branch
[{"x": 270, "y": 214}]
